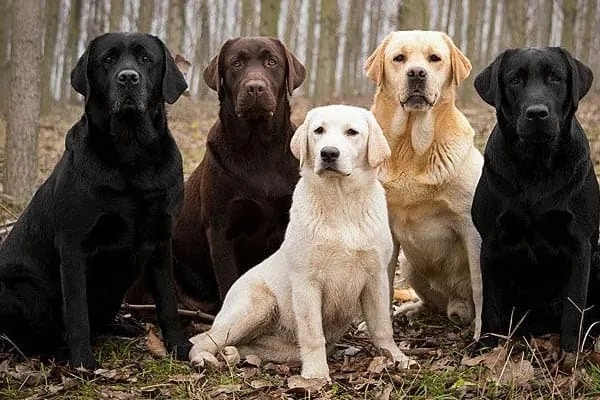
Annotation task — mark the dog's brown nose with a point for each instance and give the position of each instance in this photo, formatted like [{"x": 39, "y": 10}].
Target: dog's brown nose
[
  {"x": 417, "y": 73},
  {"x": 329, "y": 154},
  {"x": 128, "y": 76},
  {"x": 255, "y": 87}
]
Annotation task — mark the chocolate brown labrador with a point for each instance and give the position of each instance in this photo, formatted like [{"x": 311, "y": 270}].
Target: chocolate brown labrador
[{"x": 237, "y": 201}]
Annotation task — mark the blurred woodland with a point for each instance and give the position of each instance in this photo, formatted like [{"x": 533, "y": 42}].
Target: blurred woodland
[{"x": 40, "y": 42}]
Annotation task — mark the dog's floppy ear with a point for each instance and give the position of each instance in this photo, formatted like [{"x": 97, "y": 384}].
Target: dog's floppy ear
[
  {"x": 79, "y": 75},
  {"x": 375, "y": 64},
  {"x": 487, "y": 83},
  {"x": 173, "y": 84},
  {"x": 581, "y": 77},
  {"x": 295, "y": 72},
  {"x": 461, "y": 66},
  {"x": 212, "y": 73},
  {"x": 299, "y": 142},
  {"x": 378, "y": 149}
]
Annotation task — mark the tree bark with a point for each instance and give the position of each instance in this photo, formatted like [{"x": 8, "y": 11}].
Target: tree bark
[
  {"x": 146, "y": 14},
  {"x": 116, "y": 14},
  {"x": 269, "y": 17},
  {"x": 202, "y": 48},
  {"x": 52, "y": 7},
  {"x": 413, "y": 14},
  {"x": 71, "y": 51},
  {"x": 329, "y": 23},
  {"x": 588, "y": 30},
  {"x": 310, "y": 44},
  {"x": 247, "y": 17},
  {"x": 176, "y": 25},
  {"x": 546, "y": 13},
  {"x": 21, "y": 167},
  {"x": 567, "y": 39},
  {"x": 4, "y": 54}
]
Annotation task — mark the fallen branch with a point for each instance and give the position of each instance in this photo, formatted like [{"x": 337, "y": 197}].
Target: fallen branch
[{"x": 180, "y": 311}]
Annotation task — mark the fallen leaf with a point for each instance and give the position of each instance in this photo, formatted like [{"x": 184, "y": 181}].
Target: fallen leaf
[
  {"x": 488, "y": 359},
  {"x": 155, "y": 346},
  {"x": 252, "y": 359},
  {"x": 259, "y": 383},
  {"x": 384, "y": 394},
  {"x": 378, "y": 364},
  {"x": 227, "y": 389},
  {"x": 516, "y": 373},
  {"x": 304, "y": 384}
]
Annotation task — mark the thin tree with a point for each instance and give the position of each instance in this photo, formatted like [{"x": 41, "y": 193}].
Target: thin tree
[
  {"x": 176, "y": 25},
  {"x": 71, "y": 51},
  {"x": 589, "y": 29},
  {"x": 567, "y": 39},
  {"x": 328, "y": 42},
  {"x": 52, "y": 7},
  {"x": 117, "y": 8},
  {"x": 146, "y": 13},
  {"x": 4, "y": 53},
  {"x": 21, "y": 169},
  {"x": 413, "y": 14},
  {"x": 269, "y": 16}
]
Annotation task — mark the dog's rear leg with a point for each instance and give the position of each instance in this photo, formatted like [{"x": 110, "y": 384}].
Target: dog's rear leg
[{"x": 247, "y": 308}]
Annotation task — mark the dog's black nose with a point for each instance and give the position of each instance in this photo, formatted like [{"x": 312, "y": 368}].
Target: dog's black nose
[
  {"x": 329, "y": 153},
  {"x": 417, "y": 73},
  {"x": 128, "y": 76},
  {"x": 537, "y": 111},
  {"x": 255, "y": 87}
]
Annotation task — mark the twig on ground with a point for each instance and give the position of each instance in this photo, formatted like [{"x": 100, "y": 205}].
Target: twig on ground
[{"x": 180, "y": 311}]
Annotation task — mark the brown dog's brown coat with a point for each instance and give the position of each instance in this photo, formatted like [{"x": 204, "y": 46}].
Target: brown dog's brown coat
[{"x": 237, "y": 201}]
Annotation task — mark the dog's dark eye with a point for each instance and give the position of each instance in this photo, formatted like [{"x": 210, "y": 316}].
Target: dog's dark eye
[
  {"x": 146, "y": 59},
  {"x": 434, "y": 58},
  {"x": 351, "y": 132},
  {"x": 515, "y": 80},
  {"x": 271, "y": 62},
  {"x": 319, "y": 130},
  {"x": 107, "y": 59},
  {"x": 236, "y": 63},
  {"x": 399, "y": 58},
  {"x": 554, "y": 78}
]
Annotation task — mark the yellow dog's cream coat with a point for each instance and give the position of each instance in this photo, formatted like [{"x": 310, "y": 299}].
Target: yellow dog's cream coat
[
  {"x": 431, "y": 175},
  {"x": 332, "y": 265}
]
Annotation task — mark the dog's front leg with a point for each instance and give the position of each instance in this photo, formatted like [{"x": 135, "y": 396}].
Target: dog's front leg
[
  {"x": 472, "y": 242},
  {"x": 575, "y": 300},
  {"x": 75, "y": 306},
  {"x": 159, "y": 271},
  {"x": 375, "y": 308},
  {"x": 307, "y": 305},
  {"x": 222, "y": 254}
]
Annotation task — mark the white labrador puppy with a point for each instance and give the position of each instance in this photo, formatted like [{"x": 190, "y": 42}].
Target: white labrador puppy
[{"x": 332, "y": 264}]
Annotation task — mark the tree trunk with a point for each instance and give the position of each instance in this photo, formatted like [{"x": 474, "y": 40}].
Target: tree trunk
[
  {"x": 413, "y": 14},
  {"x": 291, "y": 22},
  {"x": 330, "y": 19},
  {"x": 202, "y": 48},
  {"x": 589, "y": 30},
  {"x": 21, "y": 166},
  {"x": 176, "y": 25},
  {"x": 351, "y": 64},
  {"x": 4, "y": 54},
  {"x": 146, "y": 14},
  {"x": 489, "y": 50},
  {"x": 117, "y": 8},
  {"x": 269, "y": 16},
  {"x": 458, "y": 22},
  {"x": 567, "y": 39},
  {"x": 52, "y": 7},
  {"x": 516, "y": 18},
  {"x": 310, "y": 44},
  {"x": 545, "y": 13},
  {"x": 71, "y": 51},
  {"x": 247, "y": 17}
]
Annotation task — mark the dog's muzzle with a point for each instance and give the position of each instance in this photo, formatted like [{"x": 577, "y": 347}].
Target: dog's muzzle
[
  {"x": 536, "y": 124},
  {"x": 329, "y": 160},
  {"x": 128, "y": 92},
  {"x": 255, "y": 100},
  {"x": 416, "y": 98}
]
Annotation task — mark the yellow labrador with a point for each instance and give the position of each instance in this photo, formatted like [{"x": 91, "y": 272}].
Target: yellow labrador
[
  {"x": 332, "y": 264},
  {"x": 432, "y": 173}
]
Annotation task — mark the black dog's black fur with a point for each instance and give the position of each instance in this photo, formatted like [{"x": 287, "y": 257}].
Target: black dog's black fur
[
  {"x": 106, "y": 214},
  {"x": 537, "y": 203}
]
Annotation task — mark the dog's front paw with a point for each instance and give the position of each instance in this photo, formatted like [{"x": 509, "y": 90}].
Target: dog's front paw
[
  {"x": 203, "y": 359},
  {"x": 89, "y": 363},
  {"x": 402, "y": 361},
  {"x": 411, "y": 309},
  {"x": 231, "y": 355},
  {"x": 316, "y": 372}
]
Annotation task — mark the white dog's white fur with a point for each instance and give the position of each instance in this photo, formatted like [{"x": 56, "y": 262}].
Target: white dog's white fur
[{"x": 332, "y": 264}]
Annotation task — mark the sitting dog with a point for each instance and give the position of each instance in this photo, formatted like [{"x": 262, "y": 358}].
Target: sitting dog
[
  {"x": 537, "y": 202},
  {"x": 333, "y": 261},
  {"x": 237, "y": 201},
  {"x": 106, "y": 213},
  {"x": 432, "y": 173}
]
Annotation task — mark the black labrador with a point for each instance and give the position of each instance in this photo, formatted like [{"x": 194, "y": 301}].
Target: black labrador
[
  {"x": 237, "y": 201},
  {"x": 106, "y": 214},
  {"x": 537, "y": 203}
]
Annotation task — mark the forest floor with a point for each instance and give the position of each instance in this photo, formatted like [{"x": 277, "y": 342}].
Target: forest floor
[{"x": 448, "y": 368}]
